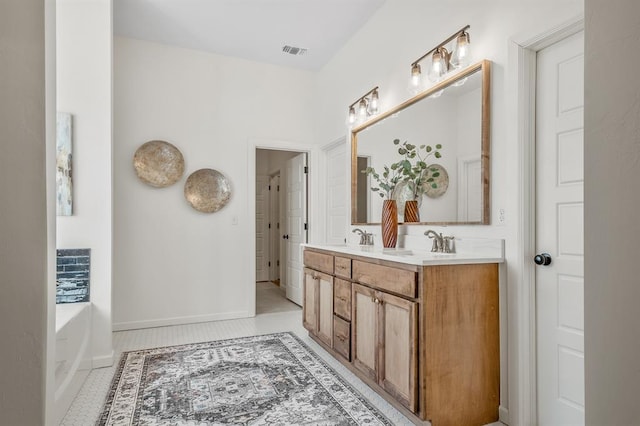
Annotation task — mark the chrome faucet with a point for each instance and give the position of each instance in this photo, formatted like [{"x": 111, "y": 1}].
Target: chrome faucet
[
  {"x": 440, "y": 244},
  {"x": 448, "y": 244},
  {"x": 437, "y": 240},
  {"x": 366, "y": 238}
]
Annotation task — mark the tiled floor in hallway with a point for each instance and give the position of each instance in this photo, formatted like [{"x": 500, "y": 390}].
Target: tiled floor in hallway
[{"x": 271, "y": 298}]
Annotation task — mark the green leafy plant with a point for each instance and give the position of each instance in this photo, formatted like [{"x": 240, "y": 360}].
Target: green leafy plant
[
  {"x": 391, "y": 176},
  {"x": 414, "y": 169}
]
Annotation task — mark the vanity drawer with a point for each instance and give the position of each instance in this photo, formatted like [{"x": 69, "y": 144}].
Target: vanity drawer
[
  {"x": 342, "y": 337},
  {"x": 318, "y": 261},
  {"x": 343, "y": 267},
  {"x": 386, "y": 278},
  {"x": 342, "y": 298}
]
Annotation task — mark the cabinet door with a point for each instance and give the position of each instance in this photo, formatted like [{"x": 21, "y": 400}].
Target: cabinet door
[
  {"x": 364, "y": 330},
  {"x": 398, "y": 334},
  {"x": 325, "y": 308},
  {"x": 310, "y": 301}
]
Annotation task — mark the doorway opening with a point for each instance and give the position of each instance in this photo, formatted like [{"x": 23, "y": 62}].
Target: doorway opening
[{"x": 281, "y": 226}]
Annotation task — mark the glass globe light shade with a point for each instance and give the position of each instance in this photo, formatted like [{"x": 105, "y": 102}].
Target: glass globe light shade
[
  {"x": 439, "y": 65},
  {"x": 462, "y": 53}
]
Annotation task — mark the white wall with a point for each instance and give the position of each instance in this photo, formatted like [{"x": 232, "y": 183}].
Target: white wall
[
  {"x": 612, "y": 202},
  {"x": 25, "y": 269},
  {"x": 173, "y": 264},
  {"x": 84, "y": 79},
  {"x": 380, "y": 54}
]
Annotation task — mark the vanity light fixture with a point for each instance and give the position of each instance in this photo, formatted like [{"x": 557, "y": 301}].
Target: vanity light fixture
[
  {"x": 442, "y": 60},
  {"x": 367, "y": 105}
]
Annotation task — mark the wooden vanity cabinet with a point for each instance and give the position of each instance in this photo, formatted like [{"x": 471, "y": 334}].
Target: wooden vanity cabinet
[{"x": 426, "y": 338}]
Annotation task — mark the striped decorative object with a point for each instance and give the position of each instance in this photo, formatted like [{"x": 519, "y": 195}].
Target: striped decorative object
[
  {"x": 411, "y": 212},
  {"x": 389, "y": 223}
]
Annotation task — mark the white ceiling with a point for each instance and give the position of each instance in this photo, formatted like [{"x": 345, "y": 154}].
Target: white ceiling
[{"x": 250, "y": 29}]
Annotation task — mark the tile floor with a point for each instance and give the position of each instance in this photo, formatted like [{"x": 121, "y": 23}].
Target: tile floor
[
  {"x": 271, "y": 298},
  {"x": 88, "y": 404}
]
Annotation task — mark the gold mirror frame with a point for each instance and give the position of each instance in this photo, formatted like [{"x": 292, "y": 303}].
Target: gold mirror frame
[{"x": 485, "y": 68}]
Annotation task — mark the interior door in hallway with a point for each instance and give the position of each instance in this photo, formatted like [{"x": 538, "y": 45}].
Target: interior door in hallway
[
  {"x": 262, "y": 228},
  {"x": 296, "y": 233},
  {"x": 274, "y": 227},
  {"x": 559, "y": 233}
]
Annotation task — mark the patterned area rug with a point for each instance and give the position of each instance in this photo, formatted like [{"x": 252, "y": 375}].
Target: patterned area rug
[{"x": 273, "y": 379}]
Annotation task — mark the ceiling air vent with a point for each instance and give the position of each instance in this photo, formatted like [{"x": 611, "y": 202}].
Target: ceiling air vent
[{"x": 292, "y": 50}]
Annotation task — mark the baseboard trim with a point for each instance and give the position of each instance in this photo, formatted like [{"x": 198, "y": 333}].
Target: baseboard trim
[
  {"x": 102, "y": 361},
  {"x": 192, "y": 319},
  {"x": 503, "y": 415}
]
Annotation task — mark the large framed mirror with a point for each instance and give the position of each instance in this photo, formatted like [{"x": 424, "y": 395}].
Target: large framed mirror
[{"x": 455, "y": 114}]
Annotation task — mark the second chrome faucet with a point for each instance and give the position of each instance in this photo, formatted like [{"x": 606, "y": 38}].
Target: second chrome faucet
[
  {"x": 366, "y": 238},
  {"x": 440, "y": 244}
]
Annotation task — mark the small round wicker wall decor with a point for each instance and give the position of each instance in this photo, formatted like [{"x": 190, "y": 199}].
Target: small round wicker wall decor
[
  {"x": 158, "y": 163},
  {"x": 207, "y": 190}
]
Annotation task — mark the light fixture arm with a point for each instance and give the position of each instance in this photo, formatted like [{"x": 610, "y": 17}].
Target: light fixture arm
[
  {"x": 454, "y": 35},
  {"x": 364, "y": 96}
]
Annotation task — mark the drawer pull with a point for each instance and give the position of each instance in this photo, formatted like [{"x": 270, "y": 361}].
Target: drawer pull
[
  {"x": 344, "y": 299},
  {"x": 341, "y": 338}
]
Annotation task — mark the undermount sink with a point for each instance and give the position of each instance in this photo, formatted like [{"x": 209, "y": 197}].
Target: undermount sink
[
  {"x": 393, "y": 251},
  {"x": 474, "y": 251},
  {"x": 397, "y": 251},
  {"x": 383, "y": 250}
]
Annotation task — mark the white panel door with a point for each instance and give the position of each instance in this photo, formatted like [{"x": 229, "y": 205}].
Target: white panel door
[
  {"x": 274, "y": 228},
  {"x": 336, "y": 203},
  {"x": 296, "y": 220},
  {"x": 262, "y": 228},
  {"x": 469, "y": 189},
  {"x": 560, "y": 233}
]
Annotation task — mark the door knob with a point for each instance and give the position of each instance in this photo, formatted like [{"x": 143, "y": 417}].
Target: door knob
[{"x": 543, "y": 259}]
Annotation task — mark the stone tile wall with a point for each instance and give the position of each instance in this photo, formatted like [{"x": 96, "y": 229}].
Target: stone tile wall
[{"x": 72, "y": 277}]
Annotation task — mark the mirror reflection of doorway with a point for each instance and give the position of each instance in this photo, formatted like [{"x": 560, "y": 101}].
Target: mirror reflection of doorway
[
  {"x": 272, "y": 224},
  {"x": 363, "y": 188}
]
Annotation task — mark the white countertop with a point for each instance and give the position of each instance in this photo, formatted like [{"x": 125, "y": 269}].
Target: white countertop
[{"x": 475, "y": 251}]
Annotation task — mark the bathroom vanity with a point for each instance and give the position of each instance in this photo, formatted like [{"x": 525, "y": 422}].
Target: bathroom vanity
[{"x": 420, "y": 328}]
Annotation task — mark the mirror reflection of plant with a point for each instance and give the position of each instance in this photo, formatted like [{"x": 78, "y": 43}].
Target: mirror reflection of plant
[
  {"x": 391, "y": 176},
  {"x": 414, "y": 168}
]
